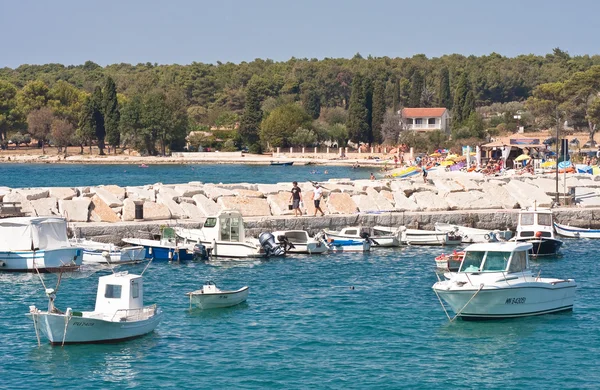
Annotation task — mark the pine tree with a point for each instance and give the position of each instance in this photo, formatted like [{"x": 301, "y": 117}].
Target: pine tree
[
  {"x": 98, "y": 118},
  {"x": 358, "y": 126},
  {"x": 396, "y": 96},
  {"x": 312, "y": 102},
  {"x": 444, "y": 98},
  {"x": 416, "y": 89},
  {"x": 378, "y": 109},
  {"x": 111, "y": 113},
  {"x": 251, "y": 118}
]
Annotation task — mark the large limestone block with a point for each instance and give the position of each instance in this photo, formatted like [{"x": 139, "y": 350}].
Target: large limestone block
[
  {"x": 187, "y": 190},
  {"x": 4, "y": 191},
  {"x": 139, "y": 193},
  {"x": 128, "y": 213},
  {"x": 64, "y": 193},
  {"x": 156, "y": 211},
  {"x": 378, "y": 185},
  {"x": 45, "y": 206},
  {"x": 497, "y": 190},
  {"x": 117, "y": 191},
  {"x": 175, "y": 209},
  {"x": 26, "y": 206},
  {"x": 403, "y": 203},
  {"x": 248, "y": 193},
  {"x": 248, "y": 207},
  {"x": 445, "y": 186},
  {"x": 207, "y": 207},
  {"x": 527, "y": 194},
  {"x": 101, "y": 212},
  {"x": 192, "y": 212},
  {"x": 166, "y": 192},
  {"x": 345, "y": 188},
  {"x": 466, "y": 183},
  {"x": 341, "y": 203},
  {"x": 108, "y": 197},
  {"x": 239, "y": 186},
  {"x": 365, "y": 203},
  {"x": 76, "y": 209},
  {"x": 471, "y": 200},
  {"x": 429, "y": 201},
  {"x": 382, "y": 202},
  {"x": 279, "y": 203},
  {"x": 389, "y": 195},
  {"x": 33, "y": 193},
  {"x": 268, "y": 189},
  {"x": 545, "y": 184},
  {"x": 214, "y": 192},
  {"x": 587, "y": 197}
]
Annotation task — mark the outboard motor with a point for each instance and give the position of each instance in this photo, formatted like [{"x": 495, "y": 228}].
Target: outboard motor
[
  {"x": 200, "y": 253},
  {"x": 272, "y": 248}
]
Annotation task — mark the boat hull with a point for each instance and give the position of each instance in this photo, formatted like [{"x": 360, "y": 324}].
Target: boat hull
[
  {"x": 473, "y": 235},
  {"x": 533, "y": 298},
  {"x": 422, "y": 237},
  {"x": 382, "y": 240},
  {"x": 543, "y": 246},
  {"x": 92, "y": 330},
  {"x": 123, "y": 256},
  {"x": 349, "y": 246},
  {"x": 311, "y": 248},
  {"x": 219, "y": 299},
  {"x": 47, "y": 260},
  {"x": 575, "y": 232}
]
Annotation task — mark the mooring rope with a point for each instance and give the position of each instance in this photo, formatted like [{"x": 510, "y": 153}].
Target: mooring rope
[
  {"x": 463, "y": 308},
  {"x": 67, "y": 319}
]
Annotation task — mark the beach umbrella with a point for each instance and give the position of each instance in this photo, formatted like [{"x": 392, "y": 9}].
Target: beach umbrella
[
  {"x": 447, "y": 163},
  {"x": 451, "y": 156},
  {"x": 436, "y": 154},
  {"x": 459, "y": 158},
  {"x": 522, "y": 157}
]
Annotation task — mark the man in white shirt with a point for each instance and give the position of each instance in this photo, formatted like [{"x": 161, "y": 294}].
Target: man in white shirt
[{"x": 318, "y": 194}]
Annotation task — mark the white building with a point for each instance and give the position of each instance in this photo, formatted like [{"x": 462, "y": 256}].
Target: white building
[{"x": 425, "y": 119}]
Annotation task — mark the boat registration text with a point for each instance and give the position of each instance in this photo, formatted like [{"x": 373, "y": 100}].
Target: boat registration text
[{"x": 515, "y": 301}]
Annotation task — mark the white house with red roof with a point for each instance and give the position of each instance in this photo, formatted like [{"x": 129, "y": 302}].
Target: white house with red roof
[{"x": 426, "y": 119}]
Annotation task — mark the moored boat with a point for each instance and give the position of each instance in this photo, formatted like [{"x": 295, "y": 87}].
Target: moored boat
[
  {"x": 536, "y": 227},
  {"x": 301, "y": 242},
  {"x": 344, "y": 245},
  {"x": 378, "y": 238},
  {"x": 428, "y": 237},
  {"x": 473, "y": 235},
  {"x": 210, "y": 297},
  {"x": 101, "y": 253},
  {"x": 575, "y": 232},
  {"x": 37, "y": 244},
  {"x": 281, "y": 163},
  {"x": 119, "y": 314},
  {"x": 168, "y": 248},
  {"x": 449, "y": 261},
  {"x": 495, "y": 281}
]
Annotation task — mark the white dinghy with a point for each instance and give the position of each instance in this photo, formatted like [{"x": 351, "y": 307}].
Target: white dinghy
[
  {"x": 344, "y": 245},
  {"x": 102, "y": 253},
  {"x": 494, "y": 281},
  {"x": 210, "y": 297},
  {"x": 300, "y": 242},
  {"x": 119, "y": 314},
  {"x": 473, "y": 235},
  {"x": 376, "y": 237},
  {"x": 575, "y": 232}
]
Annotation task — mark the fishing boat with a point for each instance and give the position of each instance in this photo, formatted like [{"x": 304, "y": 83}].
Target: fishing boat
[
  {"x": 495, "y": 281},
  {"x": 378, "y": 238},
  {"x": 167, "y": 248},
  {"x": 344, "y": 245},
  {"x": 575, "y": 232},
  {"x": 281, "y": 163},
  {"x": 210, "y": 297},
  {"x": 224, "y": 235},
  {"x": 37, "y": 244},
  {"x": 102, "y": 253},
  {"x": 299, "y": 241},
  {"x": 119, "y": 314},
  {"x": 428, "y": 237},
  {"x": 449, "y": 261},
  {"x": 536, "y": 227},
  {"x": 473, "y": 235}
]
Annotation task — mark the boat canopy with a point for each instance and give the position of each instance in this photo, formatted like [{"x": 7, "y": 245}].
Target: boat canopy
[
  {"x": 119, "y": 291},
  {"x": 496, "y": 257},
  {"x": 33, "y": 233},
  {"x": 228, "y": 225}
]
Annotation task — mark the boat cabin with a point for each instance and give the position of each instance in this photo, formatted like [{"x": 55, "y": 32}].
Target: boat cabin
[
  {"x": 535, "y": 223},
  {"x": 506, "y": 257},
  {"x": 228, "y": 225},
  {"x": 119, "y": 291}
]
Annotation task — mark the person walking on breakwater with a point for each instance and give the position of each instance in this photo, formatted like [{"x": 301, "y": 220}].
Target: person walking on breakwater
[
  {"x": 424, "y": 174},
  {"x": 295, "y": 198},
  {"x": 318, "y": 194}
]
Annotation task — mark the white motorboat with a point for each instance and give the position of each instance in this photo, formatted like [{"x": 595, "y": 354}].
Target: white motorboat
[
  {"x": 37, "y": 244},
  {"x": 449, "y": 261},
  {"x": 344, "y": 245},
  {"x": 575, "y": 232},
  {"x": 495, "y": 281},
  {"x": 168, "y": 248},
  {"x": 301, "y": 242},
  {"x": 376, "y": 237},
  {"x": 119, "y": 314},
  {"x": 210, "y": 297},
  {"x": 473, "y": 235},
  {"x": 102, "y": 253},
  {"x": 225, "y": 236},
  {"x": 536, "y": 227}
]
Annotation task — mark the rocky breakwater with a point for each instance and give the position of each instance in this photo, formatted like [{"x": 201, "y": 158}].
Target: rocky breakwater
[{"x": 455, "y": 197}]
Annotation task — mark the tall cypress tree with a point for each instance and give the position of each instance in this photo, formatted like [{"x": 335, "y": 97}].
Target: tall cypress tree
[
  {"x": 444, "y": 98},
  {"x": 378, "y": 109},
  {"x": 462, "y": 88},
  {"x": 112, "y": 116},
  {"x": 417, "y": 83},
  {"x": 312, "y": 102},
  {"x": 396, "y": 96},
  {"x": 252, "y": 116},
  {"x": 368, "y": 87},
  {"x": 469, "y": 105},
  {"x": 98, "y": 118},
  {"x": 358, "y": 126}
]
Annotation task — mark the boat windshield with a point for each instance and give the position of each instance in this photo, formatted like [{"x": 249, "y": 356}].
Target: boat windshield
[
  {"x": 544, "y": 219},
  {"x": 472, "y": 261},
  {"x": 526, "y": 219},
  {"x": 496, "y": 261},
  {"x": 210, "y": 222},
  {"x": 518, "y": 262}
]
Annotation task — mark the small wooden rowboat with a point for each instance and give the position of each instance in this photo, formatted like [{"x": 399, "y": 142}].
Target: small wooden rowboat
[{"x": 449, "y": 262}]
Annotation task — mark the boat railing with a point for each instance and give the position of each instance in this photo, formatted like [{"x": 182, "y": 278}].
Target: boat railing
[{"x": 142, "y": 313}]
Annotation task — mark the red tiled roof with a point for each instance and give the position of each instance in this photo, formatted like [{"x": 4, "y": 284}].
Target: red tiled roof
[{"x": 423, "y": 112}]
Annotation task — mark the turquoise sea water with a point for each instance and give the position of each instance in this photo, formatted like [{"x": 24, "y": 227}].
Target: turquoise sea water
[
  {"x": 303, "y": 327},
  {"x": 75, "y": 175}
]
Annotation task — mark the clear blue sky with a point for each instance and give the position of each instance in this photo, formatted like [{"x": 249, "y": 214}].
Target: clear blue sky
[{"x": 183, "y": 31}]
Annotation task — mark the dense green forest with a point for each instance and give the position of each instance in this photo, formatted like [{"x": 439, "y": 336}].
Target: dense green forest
[{"x": 263, "y": 104}]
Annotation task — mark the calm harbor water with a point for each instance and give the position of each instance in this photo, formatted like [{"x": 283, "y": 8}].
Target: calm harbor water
[
  {"x": 75, "y": 175},
  {"x": 304, "y": 327}
]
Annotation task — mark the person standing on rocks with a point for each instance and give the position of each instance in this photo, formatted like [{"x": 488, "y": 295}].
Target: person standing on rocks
[
  {"x": 295, "y": 198},
  {"x": 424, "y": 173},
  {"x": 318, "y": 195}
]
